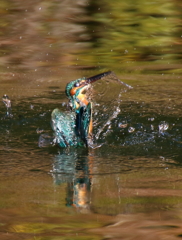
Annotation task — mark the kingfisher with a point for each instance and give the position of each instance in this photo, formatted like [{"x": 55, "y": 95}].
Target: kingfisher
[{"x": 74, "y": 127}]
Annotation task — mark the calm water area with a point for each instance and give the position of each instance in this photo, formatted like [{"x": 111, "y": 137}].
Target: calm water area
[{"x": 130, "y": 185}]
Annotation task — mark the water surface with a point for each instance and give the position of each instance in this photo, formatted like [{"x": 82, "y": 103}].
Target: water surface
[{"x": 129, "y": 187}]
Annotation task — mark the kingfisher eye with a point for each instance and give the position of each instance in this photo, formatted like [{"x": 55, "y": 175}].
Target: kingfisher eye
[{"x": 77, "y": 84}]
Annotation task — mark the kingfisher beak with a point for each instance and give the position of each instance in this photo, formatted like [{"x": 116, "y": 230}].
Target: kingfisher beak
[{"x": 96, "y": 77}]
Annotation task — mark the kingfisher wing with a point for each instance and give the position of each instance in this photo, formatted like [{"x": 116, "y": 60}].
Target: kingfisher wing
[
  {"x": 63, "y": 125},
  {"x": 83, "y": 118}
]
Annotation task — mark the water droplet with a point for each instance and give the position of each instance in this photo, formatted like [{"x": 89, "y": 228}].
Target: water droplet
[
  {"x": 163, "y": 126},
  {"x": 122, "y": 125},
  {"x": 39, "y": 130},
  {"x": 118, "y": 110},
  {"x": 31, "y": 106},
  {"x": 151, "y": 119},
  {"x": 131, "y": 129},
  {"x": 42, "y": 114}
]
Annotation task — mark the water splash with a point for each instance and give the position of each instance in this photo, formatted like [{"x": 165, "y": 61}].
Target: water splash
[
  {"x": 6, "y": 100},
  {"x": 107, "y": 103},
  {"x": 130, "y": 127}
]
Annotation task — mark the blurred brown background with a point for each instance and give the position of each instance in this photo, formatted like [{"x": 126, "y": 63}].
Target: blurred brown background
[{"x": 140, "y": 36}]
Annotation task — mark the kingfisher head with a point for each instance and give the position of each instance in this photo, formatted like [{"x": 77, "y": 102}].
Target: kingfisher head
[{"x": 77, "y": 92}]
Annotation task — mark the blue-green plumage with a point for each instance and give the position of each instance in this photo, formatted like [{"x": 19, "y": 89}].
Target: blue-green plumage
[
  {"x": 71, "y": 128},
  {"x": 63, "y": 124}
]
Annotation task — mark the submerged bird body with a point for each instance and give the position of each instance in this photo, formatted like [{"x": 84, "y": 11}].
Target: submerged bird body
[
  {"x": 74, "y": 128},
  {"x": 63, "y": 124}
]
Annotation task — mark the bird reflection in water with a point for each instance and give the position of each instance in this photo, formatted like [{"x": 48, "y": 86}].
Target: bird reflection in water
[{"x": 75, "y": 169}]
